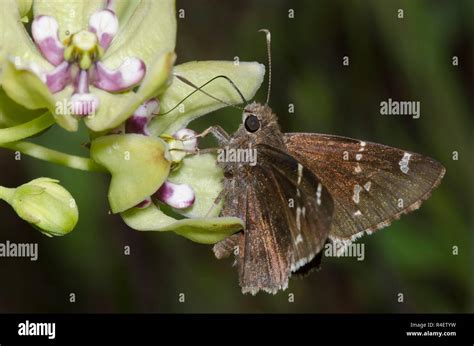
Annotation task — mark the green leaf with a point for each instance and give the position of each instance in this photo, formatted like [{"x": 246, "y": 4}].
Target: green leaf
[
  {"x": 138, "y": 165},
  {"x": 199, "y": 230},
  {"x": 248, "y": 76}
]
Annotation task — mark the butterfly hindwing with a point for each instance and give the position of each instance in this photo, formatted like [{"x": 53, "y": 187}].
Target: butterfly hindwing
[
  {"x": 371, "y": 184},
  {"x": 287, "y": 214}
]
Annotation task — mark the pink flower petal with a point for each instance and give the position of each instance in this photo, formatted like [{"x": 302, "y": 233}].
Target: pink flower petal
[
  {"x": 59, "y": 78},
  {"x": 138, "y": 122},
  {"x": 129, "y": 74},
  {"x": 105, "y": 25},
  {"x": 178, "y": 196},
  {"x": 45, "y": 34},
  {"x": 81, "y": 83}
]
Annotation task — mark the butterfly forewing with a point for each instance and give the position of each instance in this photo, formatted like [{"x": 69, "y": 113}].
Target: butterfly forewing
[
  {"x": 371, "y": 184},
  {"x": 309, "y": 206},
  {"x": 287, "y": 214}
]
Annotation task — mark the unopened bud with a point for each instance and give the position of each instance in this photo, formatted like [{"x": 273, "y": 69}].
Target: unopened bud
[{"x": 44, "y": 204}]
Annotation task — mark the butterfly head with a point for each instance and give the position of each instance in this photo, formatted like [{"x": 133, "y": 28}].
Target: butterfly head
[{"x": 257, "y": 117}]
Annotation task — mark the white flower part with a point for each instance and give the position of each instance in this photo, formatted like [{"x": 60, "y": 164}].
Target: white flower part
[
  {"x": 178, "y": 196},
  {"x": 84, "y": 104},
  {"x": 32, "y": 66},
  {"x": 147, "y": 109},
  {"x": 44, "y": 30},
  {"x": 133, "y": 70},
  {"x": 105, "y": 25},
  {"x": 44, "y": 27},
  {"x": 189, "y": 139},
  {"x": 84, "y": 40}
]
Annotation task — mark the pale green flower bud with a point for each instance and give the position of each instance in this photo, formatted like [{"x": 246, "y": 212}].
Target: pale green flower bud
[{"x": 44, "y": 204}]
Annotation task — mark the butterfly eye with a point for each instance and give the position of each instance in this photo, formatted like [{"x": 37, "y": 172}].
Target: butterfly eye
[{"x": 252, "y": 124}]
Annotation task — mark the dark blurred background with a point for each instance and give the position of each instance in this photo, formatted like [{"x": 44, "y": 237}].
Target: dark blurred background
[{"x": 402, "y": 59}]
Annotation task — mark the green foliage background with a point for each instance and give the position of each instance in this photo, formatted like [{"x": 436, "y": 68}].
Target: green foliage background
[{"x": 402, "y": 59}]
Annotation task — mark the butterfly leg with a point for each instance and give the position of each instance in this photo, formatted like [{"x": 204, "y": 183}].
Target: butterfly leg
[
  {"x": 187, "y": 152},
  {"x": 219, "y": 134},
  {"x": 217, "y": 200},
  {"x": 206, "y": 151},
  {"x": 229, "y": 245}
]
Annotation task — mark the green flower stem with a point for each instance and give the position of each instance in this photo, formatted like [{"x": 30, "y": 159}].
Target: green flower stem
[
  {"x": 42, "y": 153},
  {"x": 6, "y": 194},
  {"x": 19, "y": 132}
]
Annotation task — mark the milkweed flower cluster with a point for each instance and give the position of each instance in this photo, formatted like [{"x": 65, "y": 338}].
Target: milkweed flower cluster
[{"x": 112, "y": 65}]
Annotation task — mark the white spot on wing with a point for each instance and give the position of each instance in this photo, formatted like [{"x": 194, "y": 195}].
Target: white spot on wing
[
  {"x": 358, "y": 213},
  {"x": 362, "y": 146},
  {"x": 367, "y": 186},
  {"x": 357, "y": 168},
  {"x": 300, "y": 173},
  {"x": 358, "y": 157},
  {"x": 318, "y": 194},
  {"x": 299, "y": 239},
  {"x": 404, "y": 163},
  {"x": 357, "y": 190},
  {"x": 298, "y": 218}
]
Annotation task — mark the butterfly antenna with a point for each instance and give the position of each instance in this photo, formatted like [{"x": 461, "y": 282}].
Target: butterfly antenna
[
  {"x": 199, "y": 88},
  {"x": 269, "y": 53}
]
